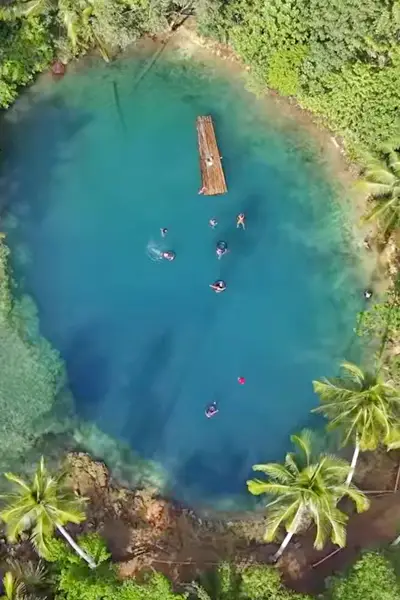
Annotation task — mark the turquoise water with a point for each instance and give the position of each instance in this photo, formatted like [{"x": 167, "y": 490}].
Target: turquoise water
[{"x": 94, "y": 165}]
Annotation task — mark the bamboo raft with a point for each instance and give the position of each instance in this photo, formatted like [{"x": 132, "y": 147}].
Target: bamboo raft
[{"x": 212, "y": 174}]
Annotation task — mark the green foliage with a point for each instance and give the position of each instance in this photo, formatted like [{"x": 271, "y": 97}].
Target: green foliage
[
  {"x": 372, "y": 577},
  {"x": 76, "y": 581},
  {"x": 307, "y": 487},
  {"x": 382, "y": 182},
  {"x": 63, "y": 555},
  {"x": 284, "y": 69},
  {"x": 250, "y": 583},
  {"x": 339, "y": 57},
  {"x": 25, "y": 49},
  {"x": 40, "y": 506},
  {"x": 264, "y": 583},
  {"x": 362, "y": 406}
]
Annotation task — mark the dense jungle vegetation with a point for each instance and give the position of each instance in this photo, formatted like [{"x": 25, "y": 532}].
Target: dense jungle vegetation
[{"x": 341, "y": 60}]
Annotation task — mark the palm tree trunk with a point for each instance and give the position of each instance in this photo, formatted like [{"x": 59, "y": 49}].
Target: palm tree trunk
[
  {"x": 77, "y": 548},
  {"x": 290, "y": 534},
  {"x": 396, "y": 541},
  {"x": 353, "y": 462}
]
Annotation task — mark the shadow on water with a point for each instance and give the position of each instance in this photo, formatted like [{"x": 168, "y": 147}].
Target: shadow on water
[
  {"x": 88, "y": 368},
  {"x": 148, "y": 417},
  {"x": 28, "y": 188}
]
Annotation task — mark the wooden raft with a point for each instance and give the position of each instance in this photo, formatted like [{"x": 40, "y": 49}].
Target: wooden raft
[{"x": 212, "y": 174}]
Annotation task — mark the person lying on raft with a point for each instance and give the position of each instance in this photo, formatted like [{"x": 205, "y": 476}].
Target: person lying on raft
[
  {"x": 218, "y": 286},
  {"x": 168, "y": 255},
  {"x": 211, "y": 410},
  {"x": 221, "y": 249},
  {"x": 240, "y": 221}
]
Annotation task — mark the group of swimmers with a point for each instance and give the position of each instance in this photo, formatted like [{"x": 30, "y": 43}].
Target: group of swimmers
[
  {"x": 222, "y": 249},
  {"x": 218, "y": 286}
]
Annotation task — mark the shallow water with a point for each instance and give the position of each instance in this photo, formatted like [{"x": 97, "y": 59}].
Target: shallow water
[{"x": 94, "y": 165}]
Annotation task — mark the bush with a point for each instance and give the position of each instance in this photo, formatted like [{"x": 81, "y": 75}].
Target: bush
[{"x": 371, "y": 578}]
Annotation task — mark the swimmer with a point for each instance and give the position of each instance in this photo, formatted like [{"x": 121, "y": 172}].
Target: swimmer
[
  {"x": 202, "y": 190},
  {"x": 367, "y": 294},
  {"x": 241, "y": 380},
  {"x": 221, "y": 249},
  {"x": 218, "y": 286},
  {"x": 164, "y": 232},
  {"x": 211, "y": 410},
  {"x": 168, "y": 255},
  {"x": 209, "y": 161},
  {"x": 240, "y": 221},
  {"x": 213, "y": 223}
]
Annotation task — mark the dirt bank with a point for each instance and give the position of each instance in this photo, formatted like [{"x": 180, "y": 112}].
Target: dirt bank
[{"x": 143, "y": 530}]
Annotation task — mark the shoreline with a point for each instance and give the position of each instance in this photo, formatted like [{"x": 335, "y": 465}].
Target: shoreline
[
  {"x": 143, "y": 530},
  {"x": 233, "y": 542}
]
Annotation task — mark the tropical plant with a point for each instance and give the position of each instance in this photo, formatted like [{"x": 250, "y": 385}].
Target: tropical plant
[
  {"x": 372, "y": 577},
  {"x": 382, "y": 181},
  {"x": 33, "y": 576},
  {"x": 13, "y": 588},
  {"x": 251, "y": 583},
  {"x": 307, "y": 488},
  {"x": 363, "y": 406},
  {"x": 41, "y": 506}
]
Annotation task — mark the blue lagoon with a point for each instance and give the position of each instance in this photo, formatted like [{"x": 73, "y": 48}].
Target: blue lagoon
[{"x": 94, "y": 165}]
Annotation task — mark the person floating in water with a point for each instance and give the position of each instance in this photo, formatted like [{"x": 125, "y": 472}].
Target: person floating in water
[
  {"x": 240, "y": 221},
  {"x": 221, "y": 249},
  {"x": 213, "y": 223},
  {"x": 168, "y": 255},
  {"x": 164, "y": 232},
  {"x": 218, "y": 286},
  {"x": 367, "y": 294},
  {"x": 211, "y": 410}
]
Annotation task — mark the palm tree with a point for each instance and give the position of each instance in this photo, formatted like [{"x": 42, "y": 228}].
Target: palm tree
[
  {"x": 74, "y": 16},
  {"x": 23, "y": 580},
  {"x": 382, "y": 181},
  {"x": 41, "y": 506},
  {"x": 13, "y": 588},
  {"x": 364, "y": 407},
  {"x": 307, "y": 488}
]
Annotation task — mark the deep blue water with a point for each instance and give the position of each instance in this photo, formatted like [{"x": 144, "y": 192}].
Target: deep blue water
[{"x": 93, "y": 166}]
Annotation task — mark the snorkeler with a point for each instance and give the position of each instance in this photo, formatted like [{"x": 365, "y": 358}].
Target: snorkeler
[
  {"x": 163, "y": 231},
  {"x": 240, "y": 221},
  {"x": 221, "y": 249},
  {"x": 213, "y": 223},
  {"x": 367, "y": 294},
  {"x": 168, "y": 255},
  {"x": 218, "y": 286},
  {"x": 211, "y": 410}
]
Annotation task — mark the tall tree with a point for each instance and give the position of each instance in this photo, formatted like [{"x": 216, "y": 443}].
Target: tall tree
[
  {"x": 41, "y": 506},
  {"x": 382, "y": 181},
  {"x": 307, "y": 488},
  {"x": 363, "y": 406}
]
